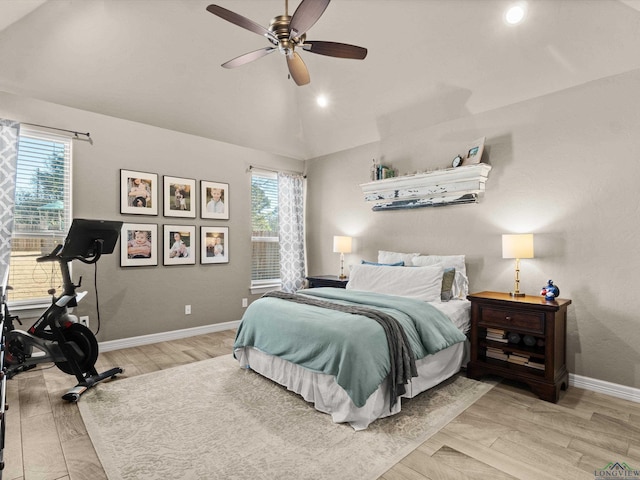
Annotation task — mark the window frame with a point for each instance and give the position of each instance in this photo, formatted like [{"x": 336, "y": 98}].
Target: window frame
[{"x": 57, "y": 236}]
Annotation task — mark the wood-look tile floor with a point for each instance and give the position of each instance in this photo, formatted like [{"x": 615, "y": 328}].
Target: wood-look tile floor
[{"x": 508, "y": 433}]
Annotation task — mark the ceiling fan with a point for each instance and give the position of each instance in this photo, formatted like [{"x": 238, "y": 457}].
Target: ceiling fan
[{"x": 288, "y": 32}]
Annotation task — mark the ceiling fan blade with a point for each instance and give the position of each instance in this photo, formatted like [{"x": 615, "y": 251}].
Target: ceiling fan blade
[
  {"x": 305, "y": 16},
  {"x": 334, "y": 49},
  {"x": 298, "y": 69},
  {"x": 241, "y": 21},
  {"x": 248, "y": 57}
]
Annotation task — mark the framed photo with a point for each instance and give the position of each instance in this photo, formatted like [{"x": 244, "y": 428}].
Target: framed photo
[
  {"x": 138, "y": 192},
  {"x": 179, "y": 245},
  {"x": 473, "y": 153},
  {"x": 214, "y": 198},
  {"x": 179, "y": 197},
  {"x": 214, "y": 245},
  {"x": 138, "y": 244}
]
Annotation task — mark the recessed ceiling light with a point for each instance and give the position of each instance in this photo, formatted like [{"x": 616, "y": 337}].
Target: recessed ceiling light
[
  {"x": 322, "y": 101},
  {"x": 515, "y": 14}
]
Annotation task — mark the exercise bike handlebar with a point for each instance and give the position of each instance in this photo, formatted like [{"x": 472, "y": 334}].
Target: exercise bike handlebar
[
  {"x": 55, "y": 256},
  {"x": 51, "y": 257}
]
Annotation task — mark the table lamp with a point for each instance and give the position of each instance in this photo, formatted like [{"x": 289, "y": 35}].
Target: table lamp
[
  {"x": 517, "y": 246},
  {"x": 341, "y": 245}
]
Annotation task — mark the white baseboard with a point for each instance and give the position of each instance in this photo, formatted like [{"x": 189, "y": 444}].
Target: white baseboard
[
  {"x": 166, "y": 336},
  {"x": 615, "y": 390},
  {"x": 595, "y": 385}
]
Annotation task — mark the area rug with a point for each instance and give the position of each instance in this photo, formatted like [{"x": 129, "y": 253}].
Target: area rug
[{"x": 214, "y": 420}]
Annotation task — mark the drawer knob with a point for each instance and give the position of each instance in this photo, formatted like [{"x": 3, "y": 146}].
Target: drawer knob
[{"x": 507, "y": 318}]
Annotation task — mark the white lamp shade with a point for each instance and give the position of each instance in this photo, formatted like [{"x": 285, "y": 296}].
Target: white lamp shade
[
  {"x": 341, "y": 244},
  {"x": 517, "y": 245}
]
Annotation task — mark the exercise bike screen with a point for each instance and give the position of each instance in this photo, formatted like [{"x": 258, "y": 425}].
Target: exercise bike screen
[{"x": 82, "y": 236}]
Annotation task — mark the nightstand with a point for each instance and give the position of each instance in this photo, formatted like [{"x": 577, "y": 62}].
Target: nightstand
[
  {"x": 521, "y": 338},
  {"x": 327, "y": 281}
]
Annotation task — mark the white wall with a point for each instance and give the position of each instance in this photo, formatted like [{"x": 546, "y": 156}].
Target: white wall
[
  {"x": 144, "y": 300},
  {"x": 565, "y": 167}
]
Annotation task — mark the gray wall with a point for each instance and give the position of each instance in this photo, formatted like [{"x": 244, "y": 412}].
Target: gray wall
[
  {"x": 565, "y": 167},
  {"x": 144, "y": 300}
]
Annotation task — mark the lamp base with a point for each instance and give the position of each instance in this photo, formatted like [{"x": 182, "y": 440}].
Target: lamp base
[{"x": 517, "y": 294}]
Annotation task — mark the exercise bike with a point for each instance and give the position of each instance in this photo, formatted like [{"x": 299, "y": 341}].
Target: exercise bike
[{"x": 57, "y": 336}]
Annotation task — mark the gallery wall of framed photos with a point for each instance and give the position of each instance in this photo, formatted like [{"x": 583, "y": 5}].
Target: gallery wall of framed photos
[{"x": 142, "y": 243}]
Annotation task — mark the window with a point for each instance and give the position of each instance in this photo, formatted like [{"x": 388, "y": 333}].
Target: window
[
  {"x": 42, "y": 214},
  {"x": 265, "y": 257}
]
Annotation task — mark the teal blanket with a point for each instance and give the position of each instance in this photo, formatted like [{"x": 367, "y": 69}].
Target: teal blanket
[{"x": 350, "y": 347}]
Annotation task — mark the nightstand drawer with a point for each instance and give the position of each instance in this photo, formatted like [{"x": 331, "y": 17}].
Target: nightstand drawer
[{"x": 512, "y": 319}]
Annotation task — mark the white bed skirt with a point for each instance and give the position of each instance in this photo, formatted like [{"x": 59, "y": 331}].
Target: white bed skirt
[{"x": 329, "y": 397}]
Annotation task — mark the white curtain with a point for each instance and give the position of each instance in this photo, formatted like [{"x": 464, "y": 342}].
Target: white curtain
[
  {"x": 291, "y": 192},
  {"x": 9, "y": 131}
]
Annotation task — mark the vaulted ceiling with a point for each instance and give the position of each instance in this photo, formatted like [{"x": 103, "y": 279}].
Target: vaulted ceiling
[{"x": 429, "y": 61}]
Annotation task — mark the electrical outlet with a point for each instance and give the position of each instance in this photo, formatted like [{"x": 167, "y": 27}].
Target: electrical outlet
[
  {"x": 84, "y": 320},
  {"x": 187, "y": 309},
  {"x": 244, "y": 303}
]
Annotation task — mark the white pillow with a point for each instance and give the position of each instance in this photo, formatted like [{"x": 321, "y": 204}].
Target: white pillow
[
  {"x": 461, "y": 282},
  {"x": 460, "y": 288},
  {"x": 424, "y": 283},
  {"x": 447, "y": 261},
  {"x": 395, "y": 257}
]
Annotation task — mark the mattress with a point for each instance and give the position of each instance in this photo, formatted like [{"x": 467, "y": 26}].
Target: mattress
[{"x": 328, "y": 397}]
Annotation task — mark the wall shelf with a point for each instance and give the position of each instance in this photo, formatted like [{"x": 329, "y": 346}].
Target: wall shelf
[{"x": 451, "y": 186}]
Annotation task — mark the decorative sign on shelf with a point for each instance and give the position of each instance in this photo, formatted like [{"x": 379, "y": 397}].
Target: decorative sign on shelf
[{"x": 451, "y": 186}]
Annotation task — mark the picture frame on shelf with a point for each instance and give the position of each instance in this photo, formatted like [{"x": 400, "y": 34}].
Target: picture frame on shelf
[
  {"x": 179, "y": 244},
  {"x": 473, "y": 152},
  {"x": 214, "y": 245},
  {"x": 179, "y": 197},
  {"x": 214, "y": 200},
  {"x": 138, "y": 192},
  {"x": 139, "y": 244}
]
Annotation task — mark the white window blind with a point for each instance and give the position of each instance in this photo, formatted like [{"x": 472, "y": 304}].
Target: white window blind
[
  {"x": 42, "y": 214},
  {"x": 265, "y": 258}
]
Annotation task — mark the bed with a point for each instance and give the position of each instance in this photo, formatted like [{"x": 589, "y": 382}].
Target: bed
[{"x": 337, "y": 347}]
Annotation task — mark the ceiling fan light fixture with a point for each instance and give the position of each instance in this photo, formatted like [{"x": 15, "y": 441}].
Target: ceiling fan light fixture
[{"x": 286, "y": 47}]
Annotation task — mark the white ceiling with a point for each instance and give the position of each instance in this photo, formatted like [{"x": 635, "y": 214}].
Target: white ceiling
[
  {"x": 158, "y": 62},
  {"x": 14, "y": 10}
]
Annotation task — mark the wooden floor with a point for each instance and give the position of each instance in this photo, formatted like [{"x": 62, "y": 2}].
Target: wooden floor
[{"x": 508, "y": 433}]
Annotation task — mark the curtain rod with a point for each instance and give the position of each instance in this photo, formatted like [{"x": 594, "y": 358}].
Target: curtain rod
[
  {"x": 88, "y": 135},
  {"x": 258, "y": 167}
]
